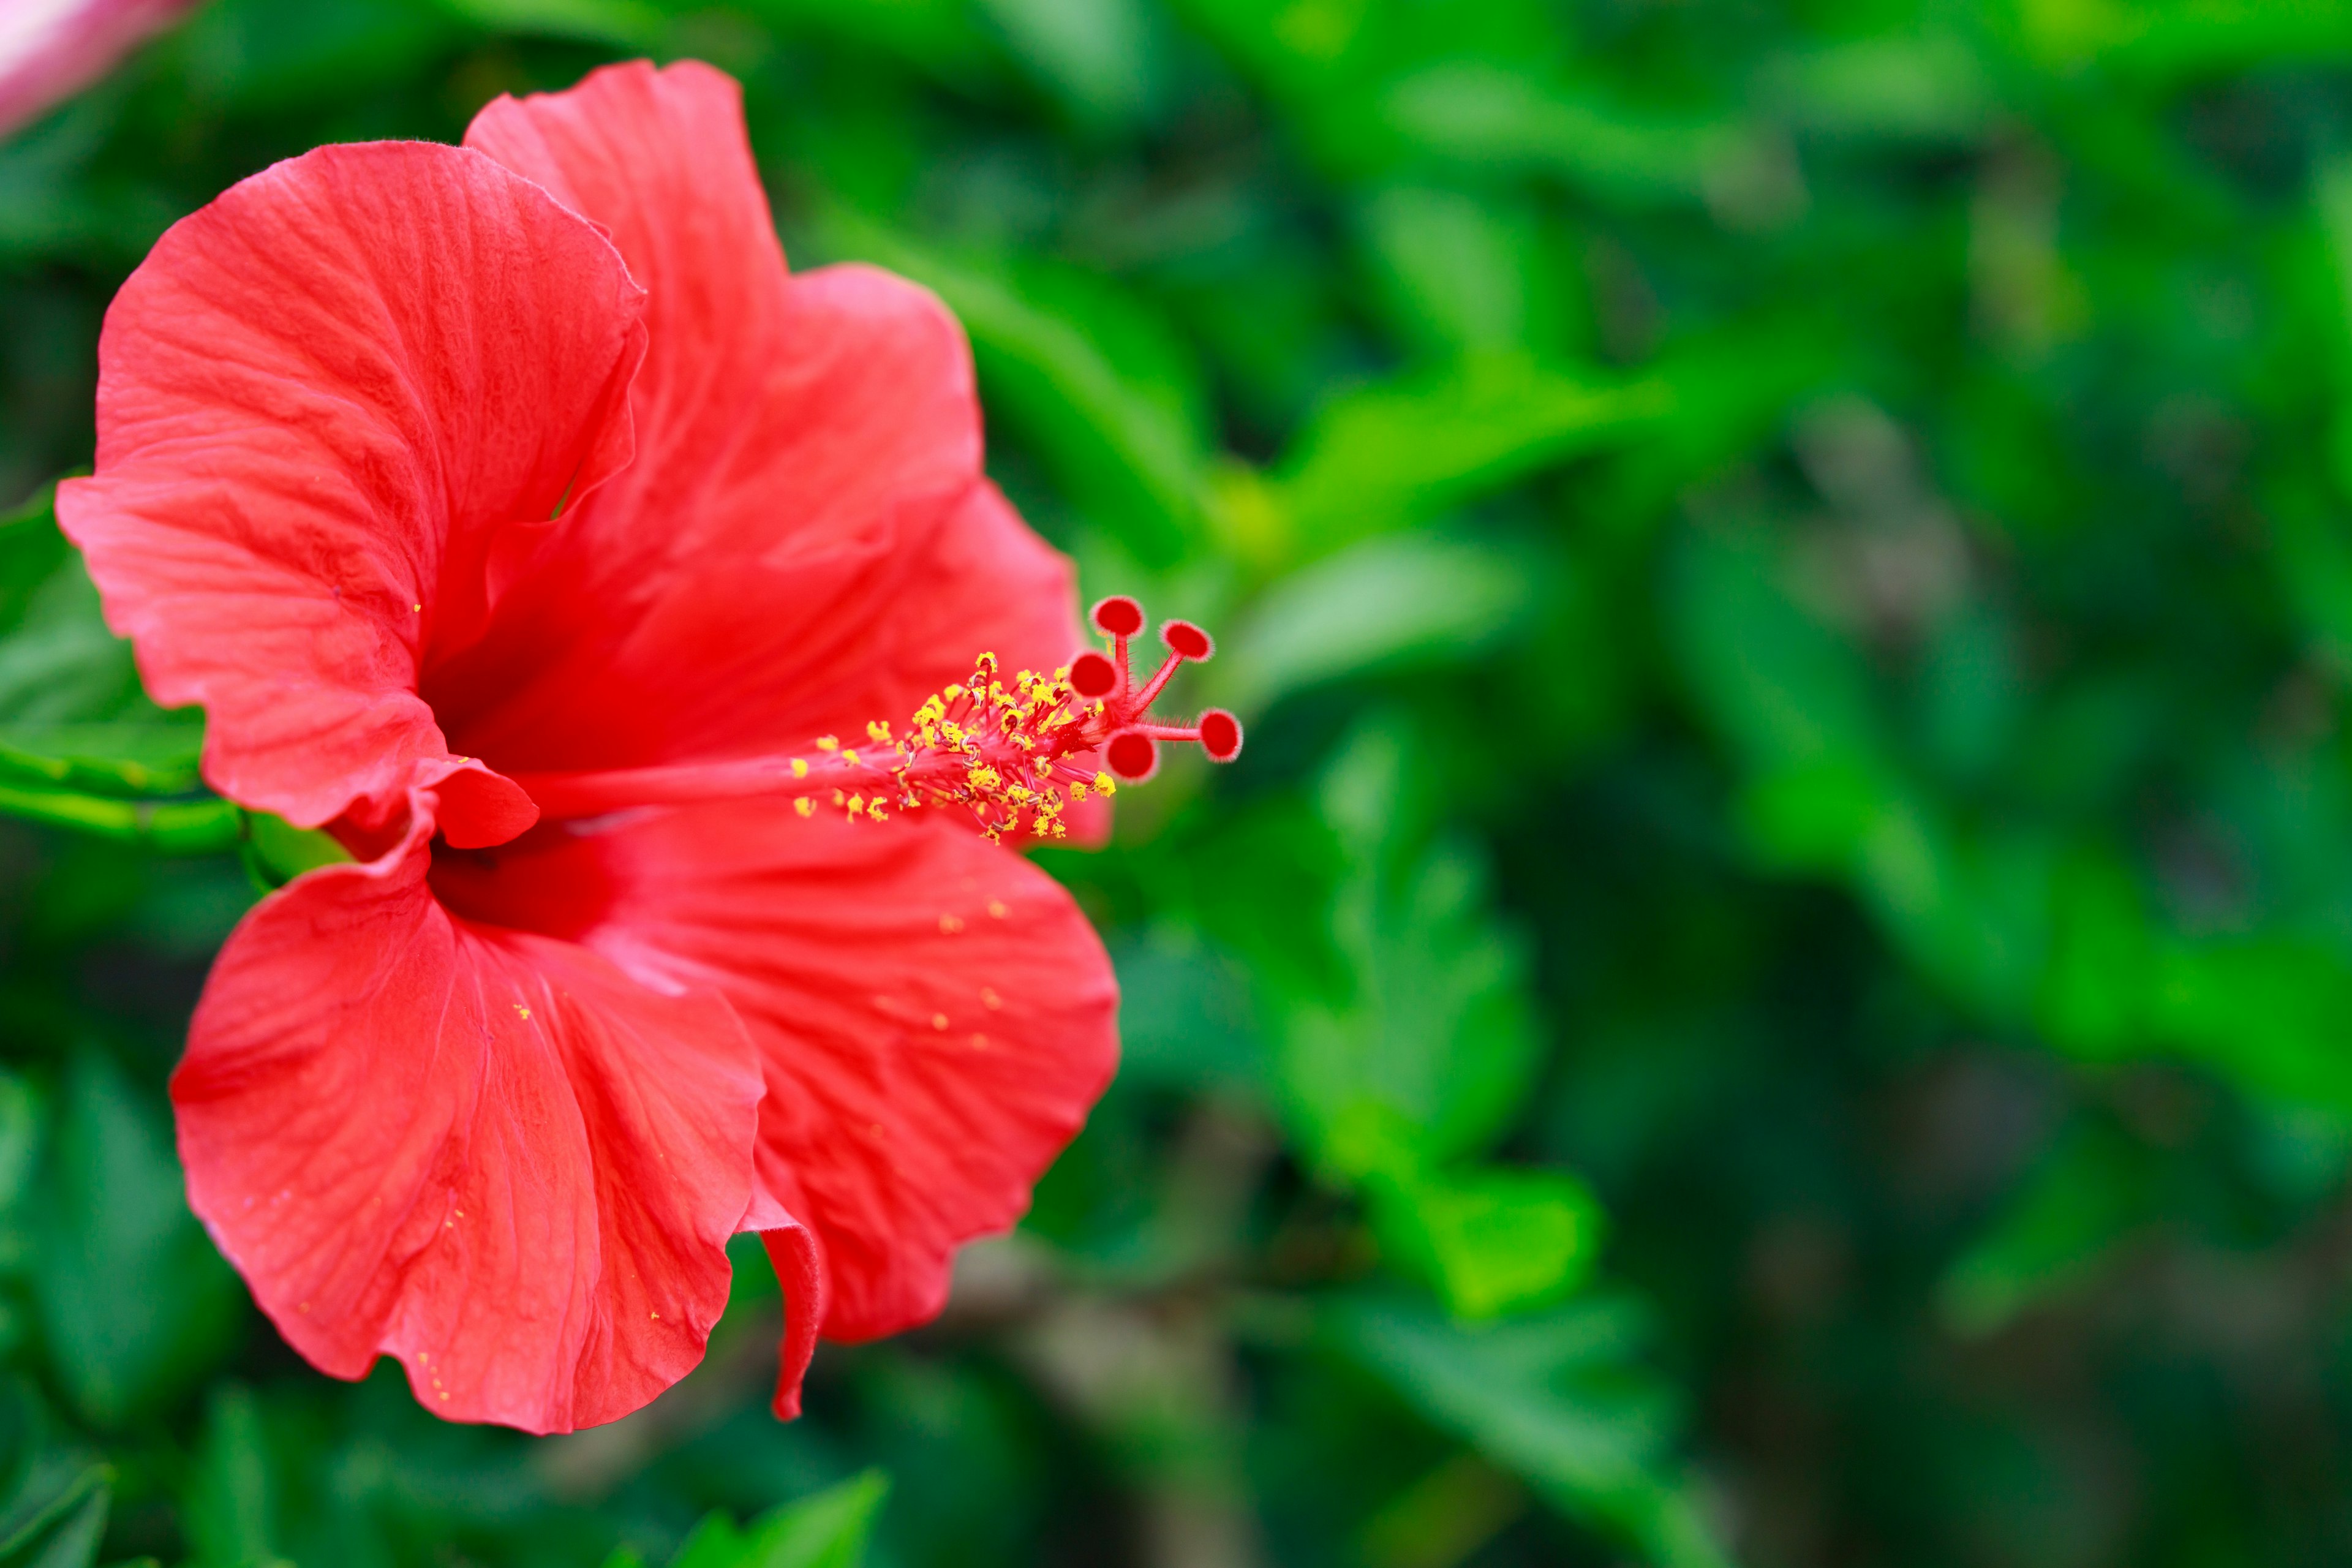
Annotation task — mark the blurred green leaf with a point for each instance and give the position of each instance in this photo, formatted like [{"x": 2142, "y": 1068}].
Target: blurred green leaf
[
  {"x": 827, "y": 1530},
  {"x": 1386, "y": 454},
  {"x": 1391, "y": 603},
  {"x": 1492, "y": 1241},
  {"x": 134, "y": 1304},
  {"x": 56, "y": 1515},
  {"x": 1481, "y": 116},
  {"x": 1106, "y": 60},
  {"x": 623, "y": 24},
  {"x": 230, "y": 1506},
  {"x": 72, "y": 715},
  {"x": 1559, "y": 1398},
  {"x": 2088, "y": 1196},
  {"x": 1434, "y": 1050}
]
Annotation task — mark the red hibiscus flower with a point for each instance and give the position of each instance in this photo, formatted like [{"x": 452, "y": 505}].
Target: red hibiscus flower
[{"x": 514, "y": 515}]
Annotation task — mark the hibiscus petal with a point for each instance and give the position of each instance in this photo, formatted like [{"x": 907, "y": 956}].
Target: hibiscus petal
[
  {"x": 806, "y": 540},
  {"x": 487, "y": 1153},
  {"x": 935, "y": 1016},
  {"x": 324, "y": 400}
]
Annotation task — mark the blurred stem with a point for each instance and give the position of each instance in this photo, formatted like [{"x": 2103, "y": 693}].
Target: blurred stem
[{"x": 167, "y": 827}]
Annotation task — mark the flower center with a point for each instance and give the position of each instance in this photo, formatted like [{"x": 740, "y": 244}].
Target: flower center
[{"x": 1016, "y": 752}]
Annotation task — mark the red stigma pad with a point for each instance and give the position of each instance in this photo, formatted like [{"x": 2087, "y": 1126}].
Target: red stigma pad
[
  {"x": 1092, "y": 676},
  {"x": 1118, "y": 616},
  {"x": 1187, "y": 640},
  {"x": 1132, "y": 756},
  {"x": 1220, "y": 735}
]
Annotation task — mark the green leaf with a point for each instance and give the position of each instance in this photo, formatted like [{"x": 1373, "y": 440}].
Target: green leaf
[
  {"x": 2090, "y": 1195},
  {"x": 57, "y": 1513},
  {"x": 1487, "y": 116},
  {"x": 829, "y": 1529},
  {"x": 622, "y": 23},
  {"x": 228, "y": 1511},
  {"x": 1386, "y": 454},
  {"x": 1561, "y": 1399},
  {"x": 276, "y": 851},
  {"x": 1493, "y": 1240},
  {"x": 1405, "y": 600},
  {"x": 134, "y": 1302},
  {"x": 72, "y": 715},
  {"x": 1436, "y": 1047},
  {"x": 1468, "y": 275},
  {"x": 1104, "y": 59}
]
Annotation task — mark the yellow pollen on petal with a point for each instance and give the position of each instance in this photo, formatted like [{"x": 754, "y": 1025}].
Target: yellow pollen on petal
[
  {"x": 800, "y": 768},
  {"x": 996, "y": 909},
  {"x": 804, "y": 806},
  {"x": 989, "y": 999},
  {"x": 949, "y": 925},
  {"x": 878, "y": 731},
  {"x": 857, "y": 803},
  {"x": 938, "y": 1020},
  {"x": 521, "y": 1012},
  {"x": 827, "y": 743},
  {"x": 849, "y": 757}
]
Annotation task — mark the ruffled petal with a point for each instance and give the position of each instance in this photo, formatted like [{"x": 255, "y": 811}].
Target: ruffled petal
[
  {"x": 934, "y": 1015},
  {"x": 487, "y": 1153},
  {"x": 806, "y": 540},
  {"x": 330, "y": 404}
]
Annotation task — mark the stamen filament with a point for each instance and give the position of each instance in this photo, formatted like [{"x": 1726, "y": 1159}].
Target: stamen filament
[{"x": 1016, "y": 755}]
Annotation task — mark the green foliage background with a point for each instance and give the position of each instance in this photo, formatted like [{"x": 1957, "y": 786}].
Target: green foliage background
[{"x": 1775, "y": 984}]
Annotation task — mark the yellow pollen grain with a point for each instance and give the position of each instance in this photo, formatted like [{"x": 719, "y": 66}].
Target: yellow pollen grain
[
  {"x": 804, "y": 806},
  {"x": 800, "y": 768},
  {"x": 657, "y": 1317},
  {"x": 827, "y": 743},
  {"x": 849, "y": 757},
  {"x": 521, "y": 1012},
  {"x": 1105, "y": 784},
  {"x": 949, "y": 925},
  {"x": 416, "y": 609},
  {"x": 938, "y": 1020}
]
